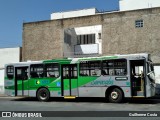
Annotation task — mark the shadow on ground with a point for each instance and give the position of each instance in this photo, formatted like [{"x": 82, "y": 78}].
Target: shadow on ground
[{"x": 95, "y": 100}]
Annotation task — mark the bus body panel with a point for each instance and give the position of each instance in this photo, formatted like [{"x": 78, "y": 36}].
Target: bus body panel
[
  {"x": 9, "y": 87},
  {"x": 81, "y": 85}
]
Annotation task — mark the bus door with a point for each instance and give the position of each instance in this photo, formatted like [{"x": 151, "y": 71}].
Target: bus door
[
  {"x": 69, "y": 80},
  {"x": 21, "y": 81},
  {"x": 137, "y": 73}
]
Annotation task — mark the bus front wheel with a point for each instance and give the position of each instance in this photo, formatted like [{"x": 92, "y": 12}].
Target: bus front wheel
[
  {"x": 43, "y": 94},
  {"x": 116, "y": 95}
]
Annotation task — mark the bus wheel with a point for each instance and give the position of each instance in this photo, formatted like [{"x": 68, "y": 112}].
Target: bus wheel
[
  {"x": 116, "y": 95},
  {"x": 43, "y": 94}
]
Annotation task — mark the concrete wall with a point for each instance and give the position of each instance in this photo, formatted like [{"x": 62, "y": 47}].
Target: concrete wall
[
  {"x": 157, "y": 73},
  {"x": 120, "y": 36},
  {"x": 75, "y": 13},
  {"x": 42, "y": 40},
  {"x": 1, "y": 81},
  {"x": 45, "y": 40},
  {"x": 7, "y": 55},
  {"x": 96, "y": 29},
  {"x": 125, "y": 5},
  {"x": 70, "y": 38},
  {"x": 71, "y": 49},
  {"x": 87, "y": 49}
]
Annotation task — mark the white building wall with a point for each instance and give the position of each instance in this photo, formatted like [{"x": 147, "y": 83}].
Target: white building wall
[
  {"x": 87, "y": 49},
  {"x": 91, "y": 30},
  {"x": 125, "y": 5},
  {"x": 1, "y": 81},
  {"x": 157, "y": 77},
  {"x": 71, "y": 14},
  {"x": 7, "y": 55},
  {"x": 157, "y": 74}
]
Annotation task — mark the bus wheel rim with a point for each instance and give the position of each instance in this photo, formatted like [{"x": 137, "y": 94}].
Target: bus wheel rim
[
  {"x": 114, "y": 95},
  {"x": 43, "y": 95}
]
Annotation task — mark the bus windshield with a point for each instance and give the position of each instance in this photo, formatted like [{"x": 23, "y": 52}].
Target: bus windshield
[{"x": 151, "y": 74}]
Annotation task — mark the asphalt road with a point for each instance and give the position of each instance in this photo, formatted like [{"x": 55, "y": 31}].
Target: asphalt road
[{"x": 80, "y": 104}]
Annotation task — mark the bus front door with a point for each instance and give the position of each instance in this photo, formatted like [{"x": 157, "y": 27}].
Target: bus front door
[
  {"x": 137, "y": 73},
  {"x": 69, "y": 80},
  {"x": 21, "y": 81}
]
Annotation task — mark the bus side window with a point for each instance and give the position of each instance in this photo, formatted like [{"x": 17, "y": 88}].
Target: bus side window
[
  {"x": 52, "y": 70},
  {"x": 10, "y": 72},
  {"x": 22, "y": 73},
  {"x": 34, "y": 75},
  {"x": 90, "y": 68},
  {"x": 37, "y": 71},
  {"x": 114, "y": 67},
  {"x": 104, "y": 72}
]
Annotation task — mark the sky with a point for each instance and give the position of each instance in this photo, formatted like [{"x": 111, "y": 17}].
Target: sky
[{"x": 13, "y": 13}]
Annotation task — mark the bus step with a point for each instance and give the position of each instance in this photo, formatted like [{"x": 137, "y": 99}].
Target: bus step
[
  {"x": 140, "y": 93},
  {"x": 69, "y": 97},
  {"x": 138, "y": 96}
]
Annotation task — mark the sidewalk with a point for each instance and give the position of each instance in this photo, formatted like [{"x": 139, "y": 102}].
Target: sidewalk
[{"x": 3, "y": 95}]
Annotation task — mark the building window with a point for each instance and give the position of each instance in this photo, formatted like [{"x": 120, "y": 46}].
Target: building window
[
  {"x": 138, "y": 23},
  {"x": 86, "y": 39}
]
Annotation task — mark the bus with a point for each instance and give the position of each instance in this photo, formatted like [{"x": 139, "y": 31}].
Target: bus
[{"x": 112, "y": 77}]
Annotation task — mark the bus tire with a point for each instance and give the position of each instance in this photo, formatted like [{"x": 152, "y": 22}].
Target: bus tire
[
  {"x": 116, "y": 96},
  {"x": 43, "y": 94}
]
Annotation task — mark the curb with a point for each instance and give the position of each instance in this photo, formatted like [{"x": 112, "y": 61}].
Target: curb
[
  {"x": 10, "y": 97},
  {"x": 3, "y": 95}
]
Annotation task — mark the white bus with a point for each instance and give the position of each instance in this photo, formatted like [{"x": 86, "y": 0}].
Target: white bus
[{"x": 113, "y": 77}]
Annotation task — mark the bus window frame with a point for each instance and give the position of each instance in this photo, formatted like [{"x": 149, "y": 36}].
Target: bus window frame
[
  {"x": 36, "y": 71},
  {"x": 115, "y": 67},
  {"x": 89, "y": 68},
  {"x": 45, "y": 70},
  {"x": 10, "y": 72}
]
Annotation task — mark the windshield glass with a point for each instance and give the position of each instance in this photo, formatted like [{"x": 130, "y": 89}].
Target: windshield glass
[{"x": 151, "y": 74}]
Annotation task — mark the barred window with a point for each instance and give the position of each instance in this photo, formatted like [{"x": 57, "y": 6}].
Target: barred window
[
  {"x": 86, "y": 39},
  {"x": 139, "y": 23}
]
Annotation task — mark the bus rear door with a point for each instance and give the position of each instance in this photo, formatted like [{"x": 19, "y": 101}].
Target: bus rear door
[{"x": 21, "y": 81}]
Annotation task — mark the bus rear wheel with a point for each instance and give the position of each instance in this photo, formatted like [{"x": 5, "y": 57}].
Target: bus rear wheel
[
  {"x": 43, "y": 94},
  {"x": 116, "y": 96}
]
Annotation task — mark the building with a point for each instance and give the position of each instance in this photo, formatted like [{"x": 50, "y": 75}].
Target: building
[
  {"x": 72, "y": 14},
  {"x": 8, "y": 55},
  {"x": 91, "y": 33},
  {"x": 126, "y": 5}
]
